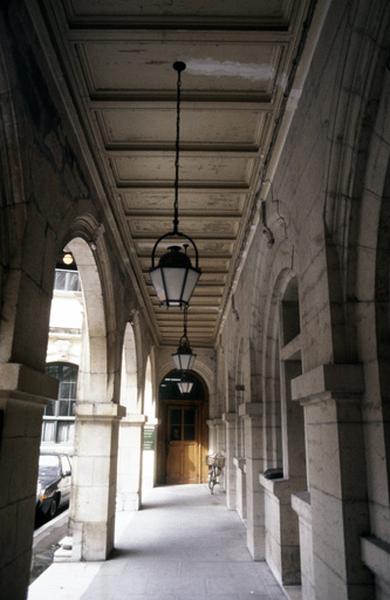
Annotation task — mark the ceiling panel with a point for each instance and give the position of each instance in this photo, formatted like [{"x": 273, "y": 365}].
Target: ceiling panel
[
  {"x": 146, "y": 201},
  {"x": 269, "y": 10},
  {"x": 151, "y": 127},
  {"x": 141, "y": 66},
  {"x": 117, "y": 56}
]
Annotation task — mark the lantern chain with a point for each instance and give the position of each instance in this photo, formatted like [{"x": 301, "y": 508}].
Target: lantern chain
[{"x": 179, "y": 67}]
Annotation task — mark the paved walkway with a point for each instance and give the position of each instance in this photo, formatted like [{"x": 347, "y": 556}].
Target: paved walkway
[{"x": 184, "y": 545}]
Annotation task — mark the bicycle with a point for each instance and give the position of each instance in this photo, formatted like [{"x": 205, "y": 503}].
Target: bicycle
[{"x": 215, "y": 464}]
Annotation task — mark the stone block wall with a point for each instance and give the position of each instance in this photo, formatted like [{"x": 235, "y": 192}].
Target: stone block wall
[{"x": 326, "y": 228}]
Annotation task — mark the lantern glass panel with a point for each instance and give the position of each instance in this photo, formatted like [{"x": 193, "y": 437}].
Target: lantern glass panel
[
  {"x": 183, "y": 362},
  {"x": 174, "y": 279},
  {"x": 185, "y": 386},
  {"x": 191, "y": 281},
  {"x": 157, "y": 281}
]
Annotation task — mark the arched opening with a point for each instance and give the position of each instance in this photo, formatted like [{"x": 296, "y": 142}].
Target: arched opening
[
  {"x": 63, "y": 355},
  {"x": 183, "y": 433},
  {"x": 96, "y": 425},
  {"x": 382, "y": 316},
  {"x": 285, "y": 472},
  {"x": 62, "y": 363},
  {"x": 149, "y": 441},
  {"x": 130, "y": 429},
  {"x": 293, "y": 427},
  {"x": 240, "y": 455}
]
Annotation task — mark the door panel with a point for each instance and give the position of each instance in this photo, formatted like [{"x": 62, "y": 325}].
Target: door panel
[{"x": 183, "y": 445}]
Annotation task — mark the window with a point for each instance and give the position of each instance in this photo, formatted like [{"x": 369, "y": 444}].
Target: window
[
  {"x": 182, "y": 424},
  {"x": 58, "y": 425},
  {"x": 67, "y": 281}
]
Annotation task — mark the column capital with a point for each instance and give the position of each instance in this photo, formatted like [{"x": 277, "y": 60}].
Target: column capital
[
  {"x": 229, "y": 417},
  {"x": 215, "y": 422},
  {"x": 100, "y": 411},
  {"x": 131, "y": 419},
  {"x": 250, "y": 409},
  {"x": 334, "y": 380}
]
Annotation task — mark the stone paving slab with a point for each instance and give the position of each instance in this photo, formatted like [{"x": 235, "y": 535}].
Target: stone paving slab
[{"x": 183, "y": 545}]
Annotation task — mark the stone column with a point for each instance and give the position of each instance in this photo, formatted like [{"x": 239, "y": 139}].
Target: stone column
[
  {"x": 129, "y": 483},
  {"x": 240, "y": 466},
  {"x": 212, "y": 436},
  {"x": 255, "y": 531},
  {"x": 300, "y": 502},
  {"x": 220, "y": 435},
  {"x": 216, "y": 435},
  {"x": 92, "y": 505},
  {"x": 230, "y": 469},
  {"x": 331, "y": 396},
  {"x": 23, "y": 395}
]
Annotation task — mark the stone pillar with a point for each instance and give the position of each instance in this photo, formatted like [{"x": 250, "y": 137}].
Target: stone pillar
[
  {"x": 129, "y": 483},
  {"x": 255, "y": 531},
  {"x": 281, "y": 530},
  {"x": 240, "y": 466},
  {"x": 216, "y": 435},
  {"x": 300, "y": 502},
  {"x": 230, "y": 469},
  {"x": 92, "y": 505},
  {"x": 220, "y": 435},
  {"x": 23, "y": 395},
  {"x": 212, "y": 436},
  {"x": 376, "y": 555},
  {"x": 331, "y": 396}
]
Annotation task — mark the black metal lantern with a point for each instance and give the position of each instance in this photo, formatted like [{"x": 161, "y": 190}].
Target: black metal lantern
[
  {"x": 185, "y": 386},
  {"x": 183, "y": 357},
  {"x": 174, "y": 278}
]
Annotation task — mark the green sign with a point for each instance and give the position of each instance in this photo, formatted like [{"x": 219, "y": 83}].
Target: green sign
[{"x": 149, "y": 438}]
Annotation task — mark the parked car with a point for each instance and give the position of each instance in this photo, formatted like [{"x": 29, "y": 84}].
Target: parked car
[{"x": 54, "y": 480}]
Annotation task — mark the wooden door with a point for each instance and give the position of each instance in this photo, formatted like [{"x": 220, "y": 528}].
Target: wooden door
[{"x": 183, "y": 444}]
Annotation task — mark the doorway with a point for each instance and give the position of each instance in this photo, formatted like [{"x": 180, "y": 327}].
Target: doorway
[
  {"x": 182, "y": 440},
  {"x": 183, "y": 444}
]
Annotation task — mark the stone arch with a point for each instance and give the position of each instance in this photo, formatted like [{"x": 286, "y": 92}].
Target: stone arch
[
  {"x": 85, "y": 238},
  {"x": 93, "y": 368},
  {"x": 129, "y": 395},
  {"x": 359, "y": 80},
  {"x": 368, "y": 309},
  {"x": 201, "y": 368},
  {"x": 98, "y": 411}
]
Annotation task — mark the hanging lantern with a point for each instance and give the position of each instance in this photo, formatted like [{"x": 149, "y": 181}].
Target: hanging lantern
[
  {"x": 174, "y": 278},
  {"x": 183, "y": 357},
  {"x": 184, "y": 385}
]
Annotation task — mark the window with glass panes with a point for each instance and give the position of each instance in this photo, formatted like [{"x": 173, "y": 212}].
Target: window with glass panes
[
  {"x": 58, "y": 422},
  {"x": 182, "y": 423},
  {"x": 67, "y": 280}
]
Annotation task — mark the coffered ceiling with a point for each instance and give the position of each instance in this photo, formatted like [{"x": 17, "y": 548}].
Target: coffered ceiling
[{"x": 117, "y": 57}]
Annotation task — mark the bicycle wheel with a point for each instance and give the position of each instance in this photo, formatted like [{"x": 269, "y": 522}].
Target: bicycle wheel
[{"x": 211, "y": 481}]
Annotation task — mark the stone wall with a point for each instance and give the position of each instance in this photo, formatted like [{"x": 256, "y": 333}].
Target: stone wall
[{"x": 324, "y": 207}]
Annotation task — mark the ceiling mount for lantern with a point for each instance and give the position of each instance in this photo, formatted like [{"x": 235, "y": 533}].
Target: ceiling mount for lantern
[
  {"x": 183, "y": 357},
  {"x": 174, "y": 278},
  {"x": 185, "y": 386}
]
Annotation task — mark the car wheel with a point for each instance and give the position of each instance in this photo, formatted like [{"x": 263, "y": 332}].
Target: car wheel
[{"x": 52, "y": 508}]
